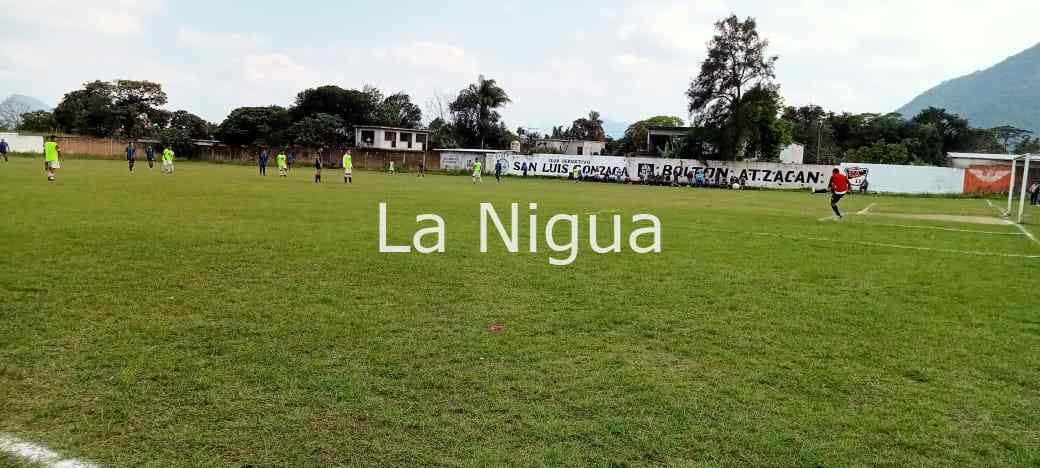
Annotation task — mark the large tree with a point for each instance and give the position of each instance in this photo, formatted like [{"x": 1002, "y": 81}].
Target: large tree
[
  {"x": 255, "y": 126},
  {"x": 475, "y": 112},
  {"x": 587, "y": 128},
  {"x": 737, "y": 61},
  {"x": 124, "y": 108},
  {"x": 397, "y": 110},
  {"x": 1007, "y": 133},
  {"x": 39, "y": 121},
  {"x": 319, "y": 130}
]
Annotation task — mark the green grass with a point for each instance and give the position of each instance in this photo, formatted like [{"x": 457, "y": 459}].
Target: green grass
[{"x": 217, "y": 318}]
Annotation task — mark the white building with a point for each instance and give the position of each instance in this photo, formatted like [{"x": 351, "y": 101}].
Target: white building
[
  {"x": 391, "y": 138},
  {"x": 572, "y": 147},
  {"x": 23, "y": 143}
]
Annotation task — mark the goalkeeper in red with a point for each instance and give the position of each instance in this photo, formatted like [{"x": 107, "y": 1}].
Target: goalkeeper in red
[{"x": 838, "y": 187}]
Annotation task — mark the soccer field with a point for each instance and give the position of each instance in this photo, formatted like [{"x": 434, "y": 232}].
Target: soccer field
[{"x": 218, "y": 318}]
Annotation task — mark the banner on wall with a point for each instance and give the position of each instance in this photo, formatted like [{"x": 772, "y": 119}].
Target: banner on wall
[
  {"x": 757, "y": 174},
  {"x": 987, "y": 179}
]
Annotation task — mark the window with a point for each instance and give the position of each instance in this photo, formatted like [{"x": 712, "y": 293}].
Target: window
[
  {"x": 407, "y": 138},
  {"x": 368, "y": 137},
  {"x": 420, "y": 138},
  {"x": 391, "y": 137}
]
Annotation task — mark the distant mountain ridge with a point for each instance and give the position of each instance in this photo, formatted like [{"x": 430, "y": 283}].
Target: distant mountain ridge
[
  {"x": 1007, "y": 93},
  {"x": 15, "y": 105}
]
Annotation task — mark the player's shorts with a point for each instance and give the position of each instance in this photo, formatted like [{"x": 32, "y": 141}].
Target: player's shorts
[
  {"x": 53, "y": 165},
  {"x": 476, "y": 174},
  {"x": 348, "y": 171}
]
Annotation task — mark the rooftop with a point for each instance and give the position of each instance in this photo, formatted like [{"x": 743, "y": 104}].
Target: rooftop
[{"x": 396, "y": 129}]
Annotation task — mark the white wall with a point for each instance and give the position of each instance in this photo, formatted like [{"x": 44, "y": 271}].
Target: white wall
[
  {"x": 23, "y": 143},
  {"x": 888, "y": 178}
]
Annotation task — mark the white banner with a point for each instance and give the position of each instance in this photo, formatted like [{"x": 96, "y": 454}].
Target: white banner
[
  {"x": 757, "y": 174},
  {"x": 888, "y": 178}
]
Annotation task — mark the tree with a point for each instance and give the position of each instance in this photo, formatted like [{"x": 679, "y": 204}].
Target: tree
[
  {"x": 89, "y": 110},
  {"x": 397, "y": 110},
  {"x": 1006, "y": 133},
  {"x": 587, "y": 128},
  {"x": 137, "y": 106},
  {"x": 442, "y": 134},
  {"x": 39, "y": 121},
  {"x": 634, "y": 139},
  {"x": 255, "y": 126},
  {"x": 1028, "y": 146},
  {"x": 951, "y": 127},
  {"x": 317, "y": 131},
  {"x": 353, "y": 107},
  {"x": 196, "y": 127},
  {"x": 736, "y": 62},
  {"x": 767, "y": 134},
  {"x": 474, "y": 112},
  {"x": 881, "y": 153}
]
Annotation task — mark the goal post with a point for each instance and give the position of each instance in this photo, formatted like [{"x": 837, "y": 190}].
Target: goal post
[{"x": 1023, "y": 192}]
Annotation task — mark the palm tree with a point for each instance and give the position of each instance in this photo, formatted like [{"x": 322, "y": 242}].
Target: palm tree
[{"x": 488, "y": 96}]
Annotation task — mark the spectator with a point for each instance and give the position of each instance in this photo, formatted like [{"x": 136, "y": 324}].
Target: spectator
[
  {"x": 3, "y": 149},
  {"x": 1034, "y": 191}
]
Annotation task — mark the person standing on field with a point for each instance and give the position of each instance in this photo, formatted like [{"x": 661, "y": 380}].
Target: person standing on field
[
  {"x": 391, "y": 168},
  {"x": 422, "y": 168},
  {"x": 283, "y": 164},
  {"x": 149, "y": 153},
  {"x": 292, "y": 158},
  {"x": 3, "y": 149},
  {"x": 167, "y": 160},
  {"x": 130, "y": 155},
  {"x": 838, "y": 187},
  {"x": 348, "y": 168},
  {"x": 498, "y": 171},
  {"x": 51, "y": 158},
  {"x": 476, "y": 172},
  {"x": 317, "y": 168},
  {"x": 263, "y": 161},
  {"x": 1034, "y": 197}
]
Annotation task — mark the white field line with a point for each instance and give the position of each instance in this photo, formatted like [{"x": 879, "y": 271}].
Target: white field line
[
  {"x": 1027, "y": 233},
  {"x": 867, "y": 209},
  {"x": 602, "y": 212},
  {"x": 38, "y": 454},
  {"x": 827, "y": 218},
  {"x": 995, "y": 207},
  {"x": 874, "y": 244},
  {"x": 940, "y": 228},
  {"x": 892, "y": 246}
]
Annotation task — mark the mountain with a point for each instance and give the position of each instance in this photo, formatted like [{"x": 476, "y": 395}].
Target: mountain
[
  {"x": 12, "y": 108},
  {"x": 1007, "y": 93}
]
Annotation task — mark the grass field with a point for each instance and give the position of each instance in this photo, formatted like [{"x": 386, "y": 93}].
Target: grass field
[{"x": 217, "y": 318}]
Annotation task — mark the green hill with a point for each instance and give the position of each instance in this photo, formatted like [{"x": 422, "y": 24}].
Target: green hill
[{"x": 1007, "y": 93}]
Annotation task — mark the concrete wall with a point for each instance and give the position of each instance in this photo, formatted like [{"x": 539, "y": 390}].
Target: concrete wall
[{"x": 23, "y": 143}]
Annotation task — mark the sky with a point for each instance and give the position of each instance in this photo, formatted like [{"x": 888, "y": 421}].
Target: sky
[{"x": 556, "y": 59}]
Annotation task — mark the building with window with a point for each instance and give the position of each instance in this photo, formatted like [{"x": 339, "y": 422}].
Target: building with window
[
  {"x": 572, "y": 147},
  {"x": 391, "y": 138}
]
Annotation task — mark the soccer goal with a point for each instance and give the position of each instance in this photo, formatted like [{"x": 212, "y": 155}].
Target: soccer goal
[{"x": 1023, "y": 194}]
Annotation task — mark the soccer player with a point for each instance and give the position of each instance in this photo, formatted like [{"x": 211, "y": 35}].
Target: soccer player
[
  {"x": 283, "y": 165},
  {"x": 422, "y": 168},
  {"x": 167, "y": 160},
  {"x": 292, "y": 158},
  {"x": 476, "y": 172},
  {"x": 263, "y": 161},
  {"x": 838, "y": 187},
  {"x": 391, "y": 168},
  {"x": 348, "y": 168},
  {"x": 3, "y": 148},
  {"x": 149, "y": 153},
  {"x": 51, "y": 157},
  {"x": 498, "y": 171},
  {"x": 130, "y": 155},
  {"x": 317, "y": 169}
]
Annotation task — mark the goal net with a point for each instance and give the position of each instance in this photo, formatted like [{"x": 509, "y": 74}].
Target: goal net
[{"x": 1023, "y": 191}]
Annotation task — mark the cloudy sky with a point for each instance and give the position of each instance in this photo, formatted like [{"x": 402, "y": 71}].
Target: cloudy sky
[{"x": 557, "y": 60}]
